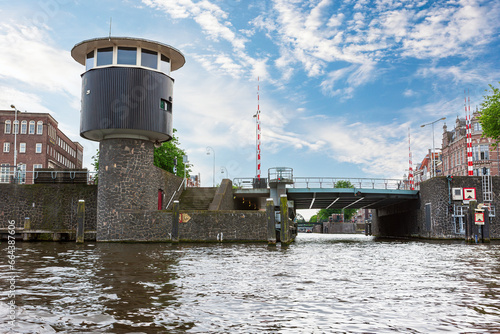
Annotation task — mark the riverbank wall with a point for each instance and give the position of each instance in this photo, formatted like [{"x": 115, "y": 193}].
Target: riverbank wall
[
  {"x": 49, "y": 212},
  {"x": 435, "y": 214}
]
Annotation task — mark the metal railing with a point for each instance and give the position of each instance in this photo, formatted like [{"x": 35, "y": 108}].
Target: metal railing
[
  {"x": 55, "y": 175},
  {"x": 332, "y": 182}
]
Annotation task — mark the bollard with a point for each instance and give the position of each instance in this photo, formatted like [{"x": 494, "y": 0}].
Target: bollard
[
  {"x": 80, "y": 222},
  {"x": 271, "y": 222},
  {"x": 175, "y": 222},
  {"x": 284, "y": 233}
]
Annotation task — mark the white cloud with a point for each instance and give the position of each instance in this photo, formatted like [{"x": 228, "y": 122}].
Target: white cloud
[{"x": 33, "y": 61}]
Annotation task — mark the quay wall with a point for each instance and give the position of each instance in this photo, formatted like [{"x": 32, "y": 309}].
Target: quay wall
[{"x": 430, "y": 216}]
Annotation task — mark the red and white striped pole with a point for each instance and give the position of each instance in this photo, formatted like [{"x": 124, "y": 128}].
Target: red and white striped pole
[
  {"x": 468, "y": 130},
  {"x": 258, "y": 131},
  {"x": 410, "y": 170}
]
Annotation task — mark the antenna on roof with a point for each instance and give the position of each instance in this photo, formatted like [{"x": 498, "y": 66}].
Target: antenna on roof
[{"x": 110, "y": 21}]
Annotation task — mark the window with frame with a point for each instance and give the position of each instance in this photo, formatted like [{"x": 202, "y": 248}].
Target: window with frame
[
  {"x": 21, "y": 173},
  {"x": 165, "y": 64},
  {"x": 31, "y": 128},
  {"x": 477, "y": 127},
  {"x": 89, "y": 61},
  {"x": 22, "y": 147},
  {"x": 126, "y": 55},
  {"x": 38, "y": 148},
  {"x": 149, "y": 58},
  {"x": 4, "y": 173},
  {"x": 6, "y": 147},
  {"x": 8, "y": 127},
  {"x": 481, "y": 152},
  {"x": 105, "y": 56},
  {"x": 39, "y": 128},
  {"x": 16, "y": 127},
  {"x": 459, "y": 213}
]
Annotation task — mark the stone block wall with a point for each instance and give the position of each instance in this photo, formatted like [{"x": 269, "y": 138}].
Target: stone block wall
[
  {"x": 223, "y": 199},
  {"x": 49, "y": 206},
  {"x": 409, "y": 219}
]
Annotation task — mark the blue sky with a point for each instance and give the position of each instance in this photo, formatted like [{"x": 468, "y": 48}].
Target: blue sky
[{"x": 340, "y": 81}]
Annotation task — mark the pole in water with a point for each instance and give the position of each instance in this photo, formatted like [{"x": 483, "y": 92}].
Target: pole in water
[{"x": 80, "y": 222}]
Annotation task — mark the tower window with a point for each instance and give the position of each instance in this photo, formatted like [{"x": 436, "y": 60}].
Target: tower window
[
  {"x": 104, "y": 56},
  {"x": 165, "y": 105},
  {"x": 165, "y": 64},
  {"x": 89, "y": 62},
  {"x": 149, "y": 58},
  {"x": 127, "y": 55}
]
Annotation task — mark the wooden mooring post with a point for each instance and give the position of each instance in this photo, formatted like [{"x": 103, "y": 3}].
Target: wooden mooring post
[
  {"x": 285, "y": 221},
  {"x": 80, "y": 222},
  {"x": 271, "y": 222},
  {"x": 175, "y": 221}
]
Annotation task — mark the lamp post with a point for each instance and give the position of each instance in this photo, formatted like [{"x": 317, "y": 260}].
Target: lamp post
[
  {"x": 222, "y": 169},
  {"x": 208, "y": 153},
  {"x": 15, "y": 141},
  {"x": 433, "y": 168}
]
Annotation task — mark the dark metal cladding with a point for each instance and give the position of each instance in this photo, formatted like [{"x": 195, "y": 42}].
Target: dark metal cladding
[{"x": 126, "y": 102}]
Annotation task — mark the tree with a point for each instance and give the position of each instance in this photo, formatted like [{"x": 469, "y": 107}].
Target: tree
[
  {"x": 164, "y": 157},
  {"x": 489, "y": 116},
  {"x": 313, "y": 219},
  {"x": 324, "y": 214}
]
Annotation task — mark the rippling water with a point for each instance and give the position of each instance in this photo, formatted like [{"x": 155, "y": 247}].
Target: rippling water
[{"x": 320, "y": 284}]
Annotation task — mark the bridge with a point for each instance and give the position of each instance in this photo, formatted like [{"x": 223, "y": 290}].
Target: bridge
[{"x": 324, "y": 193}]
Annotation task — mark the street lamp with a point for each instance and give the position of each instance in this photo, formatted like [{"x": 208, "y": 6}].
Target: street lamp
[
  {"x": 208, "y": 153},
  {"x": 15, "y": 141},
  {"x": 222, "y": 169},
  {"x": 433, "y": 167}
]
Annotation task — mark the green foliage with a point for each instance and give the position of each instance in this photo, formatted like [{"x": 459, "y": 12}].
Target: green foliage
[
  {"x": 165, "y": 154},
  {"x": 490, "y": 115},
  {"x": 95, "y": 164},
  {"x": 313, "y": 219},
  {"x": 324, "y": 214}
]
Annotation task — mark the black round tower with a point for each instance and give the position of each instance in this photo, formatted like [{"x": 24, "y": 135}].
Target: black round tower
[{"x": 127, "y": 98}]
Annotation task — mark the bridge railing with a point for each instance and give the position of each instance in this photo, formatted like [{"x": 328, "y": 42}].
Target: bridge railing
[{"x": 333, "y": 182}]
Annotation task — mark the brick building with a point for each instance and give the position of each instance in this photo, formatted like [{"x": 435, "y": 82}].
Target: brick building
[
  {"x": 454, "y": 150},
  {"x": 40, "y": 144}
]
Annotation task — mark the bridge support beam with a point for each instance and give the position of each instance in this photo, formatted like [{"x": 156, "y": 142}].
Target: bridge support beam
[{"x": 271, "y": 222}]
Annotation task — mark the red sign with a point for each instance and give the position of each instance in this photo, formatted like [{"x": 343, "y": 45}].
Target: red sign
[
  {"x": 479, "y": 218},
  {"x": 469, "y": 194}
]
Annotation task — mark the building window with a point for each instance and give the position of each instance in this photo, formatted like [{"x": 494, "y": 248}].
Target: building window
[
  {"x": 89, "y": 62},
  {"x": 6, "y": 147},
  {"x": 32, "y": 128},
  {"x": 149, "y": 58},
  {"x": 4, "y": 173},
  {"x": 105, "y": 56},
  {"x": 39, "y": 127},
  {"x": 7, "y": 127},
  {"x": 165, "y": 105},
  {"x": 16, "y": 127},
  {"x": 22, "y": 147},
  {"x": 21, "y": 173},
  {"x": 459, "y": 213},
  {"x": 477, "y": 127},
  {"x": 165, "y": 64},
  {"x": 38, "y": 148},
  {"x": 127, "y": 55},
  {"x": 480, "y": 152},
  {"x": 24, "y": 127}
]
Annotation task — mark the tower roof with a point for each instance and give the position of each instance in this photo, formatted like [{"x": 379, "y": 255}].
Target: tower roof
[{"x": 80, "y": 50}]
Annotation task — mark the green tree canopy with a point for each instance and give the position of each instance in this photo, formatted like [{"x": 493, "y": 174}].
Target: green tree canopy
[
  {"x": 324, "y": 214},
  {"x": 313, "y": 219},
  {"x": 490, "y": 115}
]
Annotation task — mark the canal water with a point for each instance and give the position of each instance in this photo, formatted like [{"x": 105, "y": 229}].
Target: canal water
[{"x": 319, "y": 284}]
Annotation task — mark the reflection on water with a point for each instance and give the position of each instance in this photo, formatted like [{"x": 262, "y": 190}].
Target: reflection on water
[{"x": 320, "y": 284}]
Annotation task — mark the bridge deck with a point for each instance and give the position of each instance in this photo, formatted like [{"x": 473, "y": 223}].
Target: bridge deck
[
  {"x": 338, "y": 198},
  {"x": 348, "y": 198}
]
